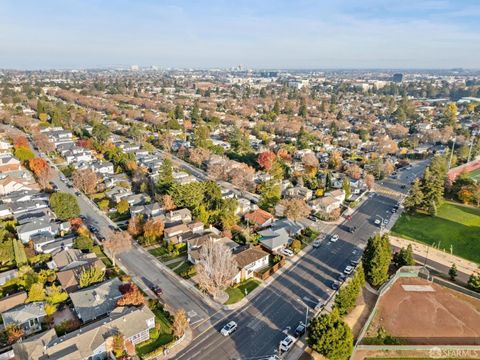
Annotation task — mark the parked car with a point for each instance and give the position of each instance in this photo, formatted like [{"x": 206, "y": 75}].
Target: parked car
[
  {"x": 157, "y": 290},
  {"x": 77, "y": 193},
  {"x": 385, "y": 221},
  {"x": 378, "y": 221},
  {"x": 287, "y": 252},
  {"x": 316, "y": 244},
  {"x": 312, "y": 218},
  {"x": 286, "y": 343},
  {"x": 300, "y": 330},
  {"x": 348, "y": 217},
  {"x": 356, "y": 260},
  {"x": 352, "y": 229},
  {"x": 348, "y": 270},
  {"x": 334, "y": 238},
  {"x": 342, "y": 277},
  {"x": 335, "y": 285},
  {"x": 229, "y": 328}
]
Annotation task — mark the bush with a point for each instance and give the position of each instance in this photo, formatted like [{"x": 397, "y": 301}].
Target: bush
[
  {"x": 64, "y": 205},
  {"x": 83, "y": 243}
]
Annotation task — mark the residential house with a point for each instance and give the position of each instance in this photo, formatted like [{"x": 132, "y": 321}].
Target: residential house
[
  {"x": 29, "y": 316},
  {"x": 36, "y": 227},
  {"x": 331, "y": 201},
  {"x": 10, "y": 184},
  {"x": 292, "y": 227},
  {"x": 117, "y": 193},
  {"x": 300, "y": 192},
  {"x": 179, "y": 233},
  {"x": 46, "y": 243},
  {"x": 178, "y": 216},
  {"x": 250, "y": 261},
  {"x": 9, "y": 163},
  {"x": 194, "y": 245},
  {"x": 23, "y": 207},
  {"x": 96, "y": 301},
  {"x": 8, "y": 275},
  {"x": 274, "y": 241},
  {"x": 72, "y": 258},
  {"x": 11, "y": 301},
  {"x": 260, "y": 218}
]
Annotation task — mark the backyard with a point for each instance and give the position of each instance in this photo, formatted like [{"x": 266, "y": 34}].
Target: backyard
[{"x": 456, "y": 228}]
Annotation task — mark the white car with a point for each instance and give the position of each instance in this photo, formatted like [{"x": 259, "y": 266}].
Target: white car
[
  {"x": 348, "y": 270},
  {"x": 287, "y": 252},
  {"x": 316, "y": 244},
  {"x": 334, "y": 238},
  {"x": 377, "y": 222},
  {"x": 229, "y": 328},
  {"x": 286, "y": 343},
  {"x": 385, "y": 222}
]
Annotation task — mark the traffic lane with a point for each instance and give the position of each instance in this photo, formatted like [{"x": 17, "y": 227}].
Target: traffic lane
[{"x": 174, "y": 293}]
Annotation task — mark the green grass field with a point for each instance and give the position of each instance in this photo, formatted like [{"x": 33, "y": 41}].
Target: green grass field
[
  {"x": 455, "y": 226},
  {"x": 237, "y": 293},
  {"x": 475, "y": 174}
]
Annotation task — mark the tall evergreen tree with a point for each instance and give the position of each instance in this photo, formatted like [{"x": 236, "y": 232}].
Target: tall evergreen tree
[
  {"x": 414, "y": 200},
  {"x": 165, "y": 177},
  {"x": 376, "y": 259}
]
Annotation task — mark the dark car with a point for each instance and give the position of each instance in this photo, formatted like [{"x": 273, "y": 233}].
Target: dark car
[
  {"x": 335, "y": 285},
  {"x": 157, "y": 290},
  {"x": 352, "y": 229},
  {"x": 300, "y": 330},
  {"x": 93, "y": 229},
  {"x": 77, "y": 193},
  {"x": 342, "y": 277}
]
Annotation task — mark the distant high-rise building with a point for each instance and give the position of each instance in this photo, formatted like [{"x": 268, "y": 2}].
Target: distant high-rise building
[{"x": 397, "y": 77}]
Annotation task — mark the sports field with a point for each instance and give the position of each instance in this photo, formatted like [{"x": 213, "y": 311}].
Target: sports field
[
  {"x": 475, "y": 174},
  {"x": 416, "y": 311},
  {"x": 456, "y": 227}
]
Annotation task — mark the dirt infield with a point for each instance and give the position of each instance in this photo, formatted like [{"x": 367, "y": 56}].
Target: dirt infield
[{"x": 442, "y": 317}]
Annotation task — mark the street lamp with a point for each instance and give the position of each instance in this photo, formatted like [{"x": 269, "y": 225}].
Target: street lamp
[{"x": 306, "y": 313}]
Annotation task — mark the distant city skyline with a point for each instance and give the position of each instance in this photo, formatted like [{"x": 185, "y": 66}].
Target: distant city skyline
[{"x": 269, "y": 34}]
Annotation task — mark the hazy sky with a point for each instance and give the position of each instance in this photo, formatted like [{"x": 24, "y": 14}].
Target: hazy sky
[{"x": 254, "y": 33}]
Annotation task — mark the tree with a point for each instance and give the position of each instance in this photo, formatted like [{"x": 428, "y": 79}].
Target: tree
[
  {"x": 474, "y": 282},
  {"x": 86, "y": 180},
  {"x": 452, "y": 272},
  {"x": 180, "y": 323},
  {"x": 310, "y": 161},
  {"x": 369, "y": 181},
  {"x": 36, "y": 292},
  {"x": 266, "y": 159},
  {"x": 346, "y": 187},
  {"x": 165, "y": 176},
  {"x": 330, "y": 336},
  {"x": 296, "y": 245},
  {"x": 131, "y": 295},
  {"x": 354, "y": 171},
  {"x": 168, "y": 203},
  {"x": 42, "y": 171},
  {"x": 64, "y": 205},
  {"x": 14, "y": 333},
  {"x": 83, "y": 243},
  {"x": 376, "y": 259},
  {"x": 56, "y": 295},
  {"x": 135, "y": 226},
  {"x": 24, "y": 154},
  {"x": 270, "y": 192},
  {"x": 335, "y": 160},
  {"x": 118, "y": 242},
  {"x": 153, "y": 230},
  {"x": 404, "y": 257},
  {"x": 414, "y": 200},
  {"x": 123, "y": 206},
  {"x": 216, "y": 268},
  {"x": 91, "y": 275},
  {"x": 43, "y": 143},
  {"x": 295, "y": 208},
  {"x": 450, "y": 114},
  {"x": 347, "y": 295},
  {"x": 50, "y": 309},
  {"x": 100, "y": 133},
  {"x": 118, "y": 345}
]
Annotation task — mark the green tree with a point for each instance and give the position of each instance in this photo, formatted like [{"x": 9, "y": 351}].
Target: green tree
[
  {"x": 452, "y": 272},
  {"x": 376, "y": 259},
  {"x": 36, "y": 292},
  {"x": 347, "y": 295},
  {"x": 302, "y": 110},
  {"x": 100, "y": 133},
  {"x": 179, "y": 112},
  {"x": 83, "y": 243},
  {"x": 346, "y": 187},
  {"x": 474, "y": 282},
  {"x": 55, "y": 295},
  {"x": 270, "y": 192},
  {"x": 64, "y": 205},
  {"x": 450, "y": 114},
  {"x": 24, "y": 154},
  {"x": 330, "y": 336},
  {"x": 123, "y": 206},
  {"x": 90, "y": 276},
  {"x": 19, "y": 251},
  {"x": 414, "y": 200},
  {"x": 404, "y": 257},
  {"x": 165, "y": 177}
]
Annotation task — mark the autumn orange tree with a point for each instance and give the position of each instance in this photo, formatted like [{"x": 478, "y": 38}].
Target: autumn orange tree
[
  {"x": 135, "y": 226},
  {"x": 116, "y": 243},
  {"x": 41, "y": 170},
  {"x": 131, "y": 295},
  {"x": 266, "y": 159},
  {"x": 153, "y": 230},
  {"x": 85, "y": 180}
]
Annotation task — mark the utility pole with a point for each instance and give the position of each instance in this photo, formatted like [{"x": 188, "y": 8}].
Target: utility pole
[
  {"x": 451, "y": 153},
  {"x": 474, "y": 134}
]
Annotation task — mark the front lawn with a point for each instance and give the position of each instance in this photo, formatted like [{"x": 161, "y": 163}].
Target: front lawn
[
  {"x": 237, "y": 293},
  {"x": 455, "y": 227},
  {"x": 162, "y": 334},
  {"x": 101, "y": 255}
]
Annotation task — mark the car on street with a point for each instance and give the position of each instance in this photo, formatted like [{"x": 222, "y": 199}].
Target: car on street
[
  {"x": 287, "y": 252},
  {"x": 348, "y": 217},
  {"x": 342, "y": 277},
  {"x": 312, "y": 218},
  {"x": 335, "y": 285},
  {"x": 352, "y": 229},
  {"x": 394, "y": 210},
  {"x": 274, "y": 357},
  {"x": 355, "y": 261},
  {"x": 92, "y": 229},
  {"x": 300, "y": 330},
  {"x": 385, "y": 221},
  {"x": 287, "y": 343},
  {"x": 334, "y": 238},
  {"x": 229, "y": 328},
  {"x": 77, "y": 193},
  {"x": 157, "y": 290},
  {"x": 378, "y": 221},
  {"x": 348, "y": 270},
  {"x": 316, "y": 244}
]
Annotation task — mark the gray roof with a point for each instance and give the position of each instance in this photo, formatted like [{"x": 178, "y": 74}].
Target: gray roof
[
  {"x": 37, "y": 224},
  {"x": 292, "y": 227},
  {"x": 96, "y": 301},
  {"x": 60, "y": 243},
  {"x": 21, "y": 314},
  {"x": 273, "y": 239}
]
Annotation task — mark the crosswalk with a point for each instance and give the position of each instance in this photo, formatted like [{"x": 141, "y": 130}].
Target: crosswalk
[{"x": 388, "y": 192}]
